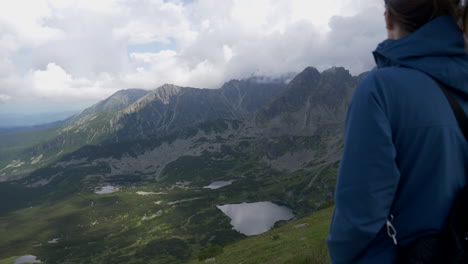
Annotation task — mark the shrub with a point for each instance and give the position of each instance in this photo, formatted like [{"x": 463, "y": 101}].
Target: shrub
[{"x": 210, "y": 252}]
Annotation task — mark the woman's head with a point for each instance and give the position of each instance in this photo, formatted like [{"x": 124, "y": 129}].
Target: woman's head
[{"x": 406, "y": 16}]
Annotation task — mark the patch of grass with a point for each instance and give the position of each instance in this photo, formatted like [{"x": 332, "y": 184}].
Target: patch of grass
[
  {"x": 210, "y": 252},
  {"x": 299, "y": 242}
]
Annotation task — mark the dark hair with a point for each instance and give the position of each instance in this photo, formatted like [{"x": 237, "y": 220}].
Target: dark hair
[{"x": 413, "y": 14}]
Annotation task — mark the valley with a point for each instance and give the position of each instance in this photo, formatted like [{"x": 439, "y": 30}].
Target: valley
[{"x": 128, "y": 183}]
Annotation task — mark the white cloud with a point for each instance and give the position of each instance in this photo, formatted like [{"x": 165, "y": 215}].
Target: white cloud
[
  {"x": 81, "y": 49},
  {"x": 25, "y": 20},
  {"x": 153, "y": 21},
  {"x": 55, "y": 84}
]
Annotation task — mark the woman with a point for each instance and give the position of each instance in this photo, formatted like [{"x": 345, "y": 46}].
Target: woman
[{"x": 405, "y": 156}]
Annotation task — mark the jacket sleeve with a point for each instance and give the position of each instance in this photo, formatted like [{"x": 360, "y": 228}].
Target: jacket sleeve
[{"x": 368, "y": 176}]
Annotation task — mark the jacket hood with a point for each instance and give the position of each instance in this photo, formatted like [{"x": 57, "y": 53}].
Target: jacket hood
[{"x": 437, "y": 49}]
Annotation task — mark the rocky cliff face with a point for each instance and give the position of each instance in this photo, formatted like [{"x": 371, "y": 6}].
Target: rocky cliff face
[
  {"x": 313, "y": 103},
  {"x": 170, "y": 107}
]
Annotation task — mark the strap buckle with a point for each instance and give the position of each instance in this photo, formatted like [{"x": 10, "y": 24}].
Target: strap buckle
[{"x": 391, "y": 231}]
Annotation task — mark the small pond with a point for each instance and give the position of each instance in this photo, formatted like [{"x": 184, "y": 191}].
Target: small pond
[
  {"x": 54, "y": 241},
  {"x": 255, "y": 218},
  {"x": 218, "y": 184},
  {"x": 107, "y": 189},
  {"x": 27, "y": 259}
]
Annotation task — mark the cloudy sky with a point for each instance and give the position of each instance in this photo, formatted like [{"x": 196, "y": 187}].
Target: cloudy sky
[{"x": 67, "y": 54}]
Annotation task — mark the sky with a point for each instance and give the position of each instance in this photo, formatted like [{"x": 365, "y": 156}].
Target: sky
[{"x": 64, "y": 55}]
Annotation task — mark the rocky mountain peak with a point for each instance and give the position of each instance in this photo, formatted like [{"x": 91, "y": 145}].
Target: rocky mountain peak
[
  {"x": 309, "y": 74},
  {"x": 310, "y": 100},
  {"x": 118, "y": 101},
  {"x": 166, "y": 92},
  {"x": 297, "y": 92},
  {"x": 337, "y": 72},
  {"x": 162, "y": 94},
  {"x": 167, "y": 87},
  {"x": 122, "y": 99}
]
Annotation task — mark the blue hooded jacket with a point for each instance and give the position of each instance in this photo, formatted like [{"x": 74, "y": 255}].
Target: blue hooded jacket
[{"x": 405, "y": 154}]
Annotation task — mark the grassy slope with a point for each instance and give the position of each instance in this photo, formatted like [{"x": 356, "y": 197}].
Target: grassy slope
[
  {"x": 9, "y": 260},
  {"x": 52, "y": 143},
  {"x": 12, "y": 144},
  {"x": 299, "y": 242},
  {"x": 25, "y": 138}
]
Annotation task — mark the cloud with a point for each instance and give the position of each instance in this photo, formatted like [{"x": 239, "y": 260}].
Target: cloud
[
  {"x": 351, "y": 40},
  {"x": 82, "y": 49},
  {"x": 25, "y": 26},
  {"x": 54, "y": 83},
  {"x": 228, "y": 45}
]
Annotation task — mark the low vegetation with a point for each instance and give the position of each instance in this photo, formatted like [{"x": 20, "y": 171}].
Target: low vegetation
[
  {"x": 299, "y": 242},
  {"x": 171, "y": 224},
  {"x": 210, "y": 252}
]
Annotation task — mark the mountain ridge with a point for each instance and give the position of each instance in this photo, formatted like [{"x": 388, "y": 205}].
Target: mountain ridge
[
  {"x": 309, "y": 118},
  {"x": 134, "y": 114}
]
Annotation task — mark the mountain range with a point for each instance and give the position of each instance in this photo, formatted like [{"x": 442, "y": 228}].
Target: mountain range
[
  {"x": 133, "y": 114},
  {"x": 277, "y": 140}
]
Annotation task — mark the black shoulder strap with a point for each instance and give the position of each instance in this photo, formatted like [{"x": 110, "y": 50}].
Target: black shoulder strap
[{"x": 457, "y": 109}]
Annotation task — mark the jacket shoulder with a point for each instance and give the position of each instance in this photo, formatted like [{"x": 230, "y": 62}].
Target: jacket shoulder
[
  {"x": 393, "y": 74},
  {"x": 386, "y": 82}
]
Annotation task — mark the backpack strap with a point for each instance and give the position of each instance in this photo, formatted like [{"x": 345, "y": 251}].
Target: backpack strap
[{"x": 460, "y": 114}]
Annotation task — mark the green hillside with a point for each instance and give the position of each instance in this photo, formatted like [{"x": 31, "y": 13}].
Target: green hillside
[{"x": 299, "y": 242}]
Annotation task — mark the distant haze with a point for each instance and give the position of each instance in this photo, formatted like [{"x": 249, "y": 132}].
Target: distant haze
[
  {"x": 31, "y": 119},
  {"x": 60, "y": 55}
]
